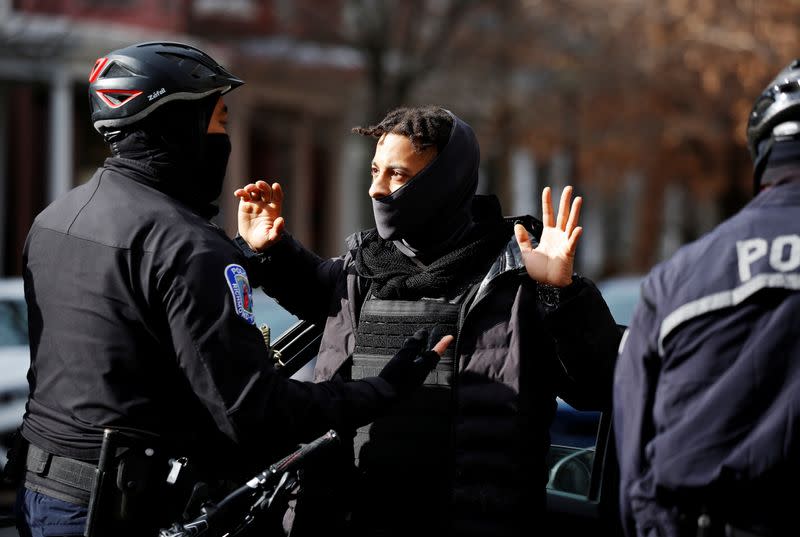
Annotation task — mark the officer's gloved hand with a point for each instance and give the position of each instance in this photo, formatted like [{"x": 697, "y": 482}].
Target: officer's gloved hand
[{"x": 407, "y": 370}]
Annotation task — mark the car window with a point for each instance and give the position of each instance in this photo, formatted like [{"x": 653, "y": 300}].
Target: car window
[
  {"x": 573, "y": 434},
  {"x": 268, "y": 311}
]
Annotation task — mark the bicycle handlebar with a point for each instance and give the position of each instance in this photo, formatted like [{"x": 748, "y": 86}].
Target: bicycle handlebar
[
  {"x": 290, "y": 462},
  {"x": 214, "y": 516}
]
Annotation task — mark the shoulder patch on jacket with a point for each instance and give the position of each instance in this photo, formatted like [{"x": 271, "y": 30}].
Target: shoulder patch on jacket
[{"x": 242, "y": 293}]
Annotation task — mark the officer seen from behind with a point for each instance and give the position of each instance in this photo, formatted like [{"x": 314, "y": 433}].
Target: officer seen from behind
[
  {"x": 141, "y": 320},
  {"x": 707, "y": 385}
]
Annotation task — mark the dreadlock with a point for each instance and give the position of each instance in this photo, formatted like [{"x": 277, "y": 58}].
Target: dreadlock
[{"x": 425, "y": 126}]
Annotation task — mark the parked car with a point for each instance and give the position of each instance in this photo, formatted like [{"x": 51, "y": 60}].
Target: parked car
[
  {"x": 269, "y": 312},
  {"x": 582, "y": 487},
  {"x": 573, "y": 427},
  {"x": 14, "y": 359},
  {"x": 576, "y": 428},
  {"x": 622, "y": 293}
]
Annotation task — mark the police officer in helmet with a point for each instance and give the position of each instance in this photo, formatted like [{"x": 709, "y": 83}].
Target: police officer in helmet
[
  {"x": 707, "y": 384},
  {"x": 141, "y": 319}
]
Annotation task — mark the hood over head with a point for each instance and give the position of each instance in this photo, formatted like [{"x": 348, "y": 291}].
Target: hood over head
[{"x": 432, "y": 211}]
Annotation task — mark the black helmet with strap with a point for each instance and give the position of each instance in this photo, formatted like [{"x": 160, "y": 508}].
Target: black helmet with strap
[
  {"x": 775, "y": 117},
  {"x": 126, "y": 85}
]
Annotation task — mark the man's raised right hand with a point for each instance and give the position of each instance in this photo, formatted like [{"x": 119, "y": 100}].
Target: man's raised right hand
[{"x": 259, "y": 218}]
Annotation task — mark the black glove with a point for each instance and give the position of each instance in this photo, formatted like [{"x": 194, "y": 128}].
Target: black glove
[{"x": 407, "y": 370}]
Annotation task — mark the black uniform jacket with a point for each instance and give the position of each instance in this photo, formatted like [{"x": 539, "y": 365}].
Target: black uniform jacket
[
  {"x": 141, "y": 319},
  {"x": 707, "y": 386}
]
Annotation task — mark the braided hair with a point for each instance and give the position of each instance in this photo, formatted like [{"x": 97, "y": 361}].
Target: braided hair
[{"x": 425, "y": 126}]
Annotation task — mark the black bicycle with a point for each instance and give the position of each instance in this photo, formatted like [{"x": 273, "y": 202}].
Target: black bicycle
[{"x": 264, "y": 495}]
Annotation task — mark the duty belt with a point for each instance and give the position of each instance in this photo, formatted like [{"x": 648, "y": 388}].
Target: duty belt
[
  {"x": 707, "y": 528},
  {"x": 67, "y": 479},
  {"x": 133, "y": 489},
  {"x": 702, "y": 524}
]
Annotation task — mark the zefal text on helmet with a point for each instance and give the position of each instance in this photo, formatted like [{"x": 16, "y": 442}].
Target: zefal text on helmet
[{"x": 156, "y": 94}]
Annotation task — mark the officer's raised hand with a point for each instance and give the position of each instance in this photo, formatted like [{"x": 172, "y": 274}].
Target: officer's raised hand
[
  {"x": 260, "y": 221},
  {"x": 407, "y": 370},
  {"x": 552, "y": 260}
]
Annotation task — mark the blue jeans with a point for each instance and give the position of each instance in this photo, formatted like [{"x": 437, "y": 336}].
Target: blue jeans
[{"x": 39, "y": 515}]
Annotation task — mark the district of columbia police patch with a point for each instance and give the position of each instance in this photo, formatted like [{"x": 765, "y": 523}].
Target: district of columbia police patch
[{"x": 242, "y": 293}]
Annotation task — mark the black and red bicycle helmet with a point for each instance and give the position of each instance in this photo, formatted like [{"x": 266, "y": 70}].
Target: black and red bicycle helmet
[
  {"x": 127, "y": 84},
  {"x": 778, "y": 104}
]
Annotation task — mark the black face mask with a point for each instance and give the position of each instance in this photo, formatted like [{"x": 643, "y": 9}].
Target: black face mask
[
  {"x": 777, "y": 160},
  {"x": 172, "y": 152},
  {"x": 432, "y": 211},
  {"x": 211, "y": 167}
]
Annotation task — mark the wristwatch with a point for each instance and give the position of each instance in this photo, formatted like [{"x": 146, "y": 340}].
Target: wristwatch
[{"x": 549, "y": 295}]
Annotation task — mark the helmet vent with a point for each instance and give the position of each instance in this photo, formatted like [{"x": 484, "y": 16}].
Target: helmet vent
[
  {"x": 761, "y": 106},
  {"x": 177, "y": 58},
  {"x": 201, "y": 71},
  {"x": 117, "y": 71},
  {"x": 790, "y": 86},
  {"x": 198, "y": 69},
  {"x": 116, "y": 98}
]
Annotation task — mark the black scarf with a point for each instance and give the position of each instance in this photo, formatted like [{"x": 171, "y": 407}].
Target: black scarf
[
  {"x": 780, "y": 163},
  {"x": 395, "y": 276}
]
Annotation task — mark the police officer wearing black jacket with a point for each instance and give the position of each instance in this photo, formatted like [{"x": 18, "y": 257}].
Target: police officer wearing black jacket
[
  {"x": 707, "y": 385},
  {"x": 141, "y": 316}
]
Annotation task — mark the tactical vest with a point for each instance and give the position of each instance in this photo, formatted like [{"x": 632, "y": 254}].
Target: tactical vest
[{"x": 407, "y": 454}]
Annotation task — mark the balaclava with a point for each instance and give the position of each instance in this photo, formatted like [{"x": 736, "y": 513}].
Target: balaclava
[
  {"x": 172, "y": 151},
  {"x": 432, "y": 211},
  {"x": 781, "y": 162}
]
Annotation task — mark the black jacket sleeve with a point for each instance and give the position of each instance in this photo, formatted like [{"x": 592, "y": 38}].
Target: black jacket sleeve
[
  {"x": 222, "y": 354},
  {"x": 636, "y": 377},
  {"x": 298, "y": 279},
  {"x": 587, "y": 339}
]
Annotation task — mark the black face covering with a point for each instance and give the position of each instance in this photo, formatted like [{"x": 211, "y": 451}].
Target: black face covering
[
  {"x": 171, "y": 151},
  {"x": 778, "y": 163},
  {"x": 212, "y": 166},
  {"x": 432, "y": 212}
]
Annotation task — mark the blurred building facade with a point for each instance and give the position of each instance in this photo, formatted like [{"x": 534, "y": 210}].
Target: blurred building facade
[
  {"x": 641, "y": 105},
  {"x": 282, "y": 127}
]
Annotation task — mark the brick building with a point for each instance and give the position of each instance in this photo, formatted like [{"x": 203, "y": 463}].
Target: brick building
[
  {"x": 283, "y": 126},
  {"x": 643, "y": 110}
]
